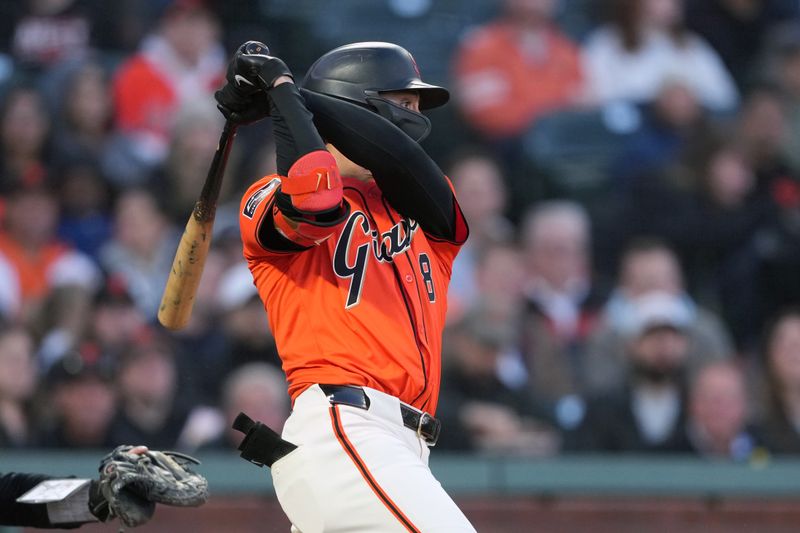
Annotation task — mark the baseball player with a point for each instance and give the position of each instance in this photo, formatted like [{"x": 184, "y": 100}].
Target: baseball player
[{"x": 351, "y": 246}]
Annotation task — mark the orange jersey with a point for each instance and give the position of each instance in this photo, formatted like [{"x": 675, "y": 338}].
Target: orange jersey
[{"x": 366, "y": 306}]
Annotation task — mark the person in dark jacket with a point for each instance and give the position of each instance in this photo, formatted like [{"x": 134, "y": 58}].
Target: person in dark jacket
[
  {"x": 480, "y": 408},
  {"x": 780, "y": 418},
  {"x": 648, "y": 413}
]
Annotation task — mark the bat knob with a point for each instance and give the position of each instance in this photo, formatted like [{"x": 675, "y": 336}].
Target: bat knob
[{"x": 254, "y": 47}]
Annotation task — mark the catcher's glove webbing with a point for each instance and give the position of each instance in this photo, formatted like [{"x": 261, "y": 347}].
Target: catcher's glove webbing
[{"x": 131, "y": 484}]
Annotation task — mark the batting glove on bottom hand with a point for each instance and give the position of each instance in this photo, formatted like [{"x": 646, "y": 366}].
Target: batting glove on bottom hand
[
  {"x": 241, "y": 108},
  {"x": 131, "y": 484}
]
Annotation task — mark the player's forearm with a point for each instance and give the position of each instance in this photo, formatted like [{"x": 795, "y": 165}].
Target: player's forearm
[
  {"x": 293, "y": 126},
  {"x": 310, "y": 199},
  {"x": 411, "y": 181}
]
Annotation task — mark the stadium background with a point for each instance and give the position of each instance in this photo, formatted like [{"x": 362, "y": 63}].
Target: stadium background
[{"x": 624, "y": 350}]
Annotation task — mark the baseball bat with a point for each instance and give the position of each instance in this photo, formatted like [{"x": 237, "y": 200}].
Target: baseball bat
[{"x": 190, "y": 257}]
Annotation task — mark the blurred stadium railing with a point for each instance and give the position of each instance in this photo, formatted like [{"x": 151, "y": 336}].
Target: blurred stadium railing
[{"x": 569, "y": 493}]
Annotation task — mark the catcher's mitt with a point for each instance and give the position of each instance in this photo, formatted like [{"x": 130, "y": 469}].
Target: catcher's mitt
[{"x": 132, "y": 483}]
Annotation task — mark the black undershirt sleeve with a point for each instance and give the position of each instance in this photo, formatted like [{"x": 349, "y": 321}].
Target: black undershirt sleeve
[
  {"x": 12, "y": 486},
  {"x": 410, "y": 180},
  {"x": 295, "y": 136},
  {"x": 292, "y": 126}
]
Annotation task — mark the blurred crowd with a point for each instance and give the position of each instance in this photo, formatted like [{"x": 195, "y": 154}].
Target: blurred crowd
[{"x": 630, "y": 170}]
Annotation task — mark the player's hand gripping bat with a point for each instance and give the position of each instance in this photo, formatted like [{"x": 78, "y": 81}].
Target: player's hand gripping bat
[{"x": 190, "y": 258}]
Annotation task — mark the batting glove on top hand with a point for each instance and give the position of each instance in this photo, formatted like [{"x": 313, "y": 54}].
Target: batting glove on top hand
[
  {"x": 251, "y": 73},
  {"x": 240, "y": 100},
  {"x": 254, "y": 66}
]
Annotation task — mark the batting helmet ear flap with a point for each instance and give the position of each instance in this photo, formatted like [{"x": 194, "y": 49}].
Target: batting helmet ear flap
[{"x": 415, "y": 125}]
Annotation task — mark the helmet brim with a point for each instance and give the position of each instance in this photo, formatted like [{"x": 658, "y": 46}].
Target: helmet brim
[{"x": 430, "y": 96}]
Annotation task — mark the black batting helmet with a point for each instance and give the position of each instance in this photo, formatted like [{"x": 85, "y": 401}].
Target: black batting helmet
[
  {"x": 355, "y": 71},
  {"x": 359, "y": 72}
]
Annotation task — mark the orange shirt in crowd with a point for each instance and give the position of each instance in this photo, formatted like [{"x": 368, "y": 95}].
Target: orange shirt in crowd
[
  {"x": 504, "y": 84},
  {"x": 31, "y": 267},
  {"x": 146, "y": 99}
]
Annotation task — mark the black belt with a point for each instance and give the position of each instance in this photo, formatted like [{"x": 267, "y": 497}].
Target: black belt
[{"x": 423, "y": 423}]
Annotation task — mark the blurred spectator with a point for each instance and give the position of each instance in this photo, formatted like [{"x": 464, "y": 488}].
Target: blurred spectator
[
  {"x": 150, "y": 409},
  {"x": 142, "y": 250},
  {"x": 49, "y": 31},
  {"x": 480, "y": 412},
  {"x": 719, "y": 234},
  {"x": 562, "y": 303},
  {"x": 648, "y": 412},
  {"x": 763, "y": 131},
  {"x": 116, "y": 323},
  {"x": 193, "y": 143},
  {"x": 674, "y": 122},
  {"x": 482, "y": 195},
  {"x": 85, "y": 197},
  {"x": 717, "y": 426},
  {"x": 34, "y": 259},
  {"x": 516, "y": 68},
  {"x": 180, "y": 62},
  {"x": 63, "y": 320},
  {"x": 727, "y": 179},
  {"x": 649, "y": 267},
  {"x": 24, "y": 132},
  {"x": 781, "y": 397},
  {"x": 736, "y": 29},
  {"x": 228, "y": 326},
  {"x": 644, "y": 46},
  {"x": 82, "y": 400},
  {"x": 788, "y": 78},
  {"x": 17, "y": 385},
  {"x": 258, "y": 390},
  {"x": 500, "y": 277},
  {"x": 243, "y": 322},
  {"x": 86, "y": 114},
  {"x": 710, "y": 203}
]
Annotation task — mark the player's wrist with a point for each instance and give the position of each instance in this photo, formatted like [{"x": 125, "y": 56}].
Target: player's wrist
[{"x": 281, "y": 80}]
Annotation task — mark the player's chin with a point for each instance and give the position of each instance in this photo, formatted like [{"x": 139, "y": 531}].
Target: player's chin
[{"x": 361, "y": 174}]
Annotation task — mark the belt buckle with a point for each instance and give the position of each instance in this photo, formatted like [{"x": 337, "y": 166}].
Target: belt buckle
[{"x": 429, "y": 440}]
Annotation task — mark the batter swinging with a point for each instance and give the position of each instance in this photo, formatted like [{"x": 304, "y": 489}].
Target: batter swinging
[{"x": 351, "y": 246}]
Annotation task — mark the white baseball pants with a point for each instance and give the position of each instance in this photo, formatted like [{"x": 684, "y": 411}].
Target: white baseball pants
[{"x": 359, "y": 470}]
